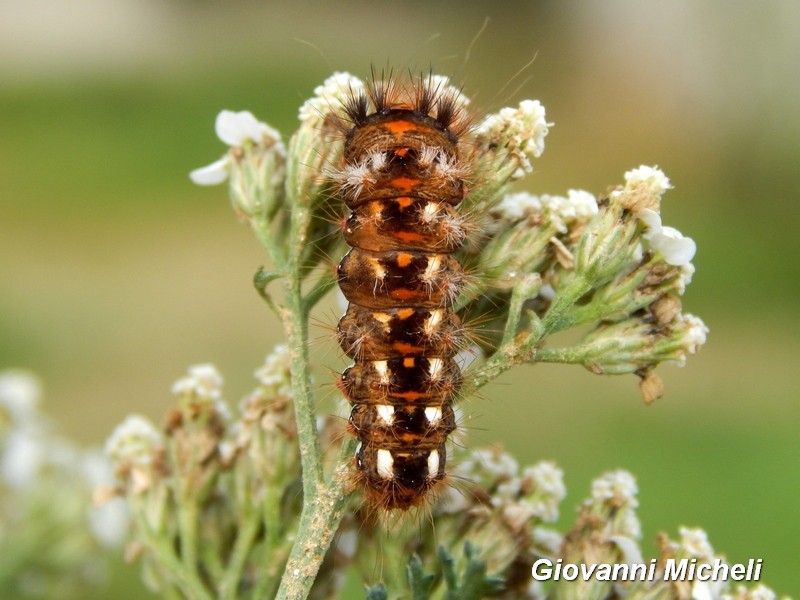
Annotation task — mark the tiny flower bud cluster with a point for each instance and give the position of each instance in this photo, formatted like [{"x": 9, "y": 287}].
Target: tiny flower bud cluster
[
  {"x": 519, "y": 132},
  {"x": 329, "y": 98}
]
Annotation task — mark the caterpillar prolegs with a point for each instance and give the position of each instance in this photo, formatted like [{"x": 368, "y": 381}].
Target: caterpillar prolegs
[{"x": 402, "y": 178}]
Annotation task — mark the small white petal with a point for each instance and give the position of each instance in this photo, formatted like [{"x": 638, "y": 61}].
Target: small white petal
[
  {"x": 677, "y": 250},
  {"x": 631, "y": 554},
  {"x": 212, "y": 174},
  {"x": 235, "y": 128},
  {"x": 650, "y": 218}
]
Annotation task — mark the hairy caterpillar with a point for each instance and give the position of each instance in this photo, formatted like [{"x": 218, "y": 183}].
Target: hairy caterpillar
[{"x": 402, "y": 178}]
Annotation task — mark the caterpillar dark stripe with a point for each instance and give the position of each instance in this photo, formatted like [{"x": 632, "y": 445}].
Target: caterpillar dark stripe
[{"x": 402, "y": 178}]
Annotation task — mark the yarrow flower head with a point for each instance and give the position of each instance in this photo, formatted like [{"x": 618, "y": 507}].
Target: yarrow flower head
[
  {"x": 519, "y": 132},
  {"x": 330, "y": 97},
  {"x": 20, "y": 393},
  {"x": 559, "y": 211},
  {"x": 651, "y": 179},
  {"x": 133, "y": 441},
  {"x": 443, "y": 87},
  {"x": 275, "y": 373},
  {"x": 617, "y": 488},
  {"x": 691, "y": 333},
  {"x": 204, "y": 381},
  {"x": 614, "y": 495}
]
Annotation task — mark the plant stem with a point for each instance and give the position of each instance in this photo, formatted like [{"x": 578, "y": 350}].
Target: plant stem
[
  {"x": 296, "y": 328},
  {"x": 318, "y": 525}
]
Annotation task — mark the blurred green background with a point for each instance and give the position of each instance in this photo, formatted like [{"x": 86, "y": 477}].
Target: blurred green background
[{"x": 116, "y": 273}]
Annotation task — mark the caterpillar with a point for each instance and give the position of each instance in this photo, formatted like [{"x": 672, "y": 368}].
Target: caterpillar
[{"x": 402, "y": 178}]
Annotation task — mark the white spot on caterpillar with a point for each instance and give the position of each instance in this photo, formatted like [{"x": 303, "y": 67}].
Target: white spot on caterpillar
[
  {"x": 431, "y": 269},
  {"x": 434, "y": 367},
  {"x": 377, "y": 268},
  {"x": 385, "y": 412},
  {"x": 430, "y": 212},
  {"x": 381, "y": 317},
  {"x": 384, "y": 463},
  {"x": 432, "y": 322},
  {"x": 433, "y": 414},
  {"x": 433, "y": 463},
  {"x": 382, "y": 369}
]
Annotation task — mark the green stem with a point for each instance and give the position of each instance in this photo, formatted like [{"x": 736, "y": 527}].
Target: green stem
[
  {"x": 229, "y": 584},
  {"x": 318, "y": 524},
  {"x": 296, "y": 328},
  {"x": 557, "y": 317},
  {"x": 185, "y": 578},
  {"x": 567, "y": 356}
]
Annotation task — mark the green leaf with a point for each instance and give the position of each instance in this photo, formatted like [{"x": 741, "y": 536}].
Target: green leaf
[
  {"x": 420, "y": 582},
  {"x": 261, "y": 280},
  {"x": 474, "y": 584},
  {"x": 376, "y": 592}
]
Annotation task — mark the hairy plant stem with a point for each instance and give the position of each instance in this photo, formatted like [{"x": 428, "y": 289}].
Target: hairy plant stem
[
  {"x": 323, "y": 501},
  {"x": 318, "y": 524}
]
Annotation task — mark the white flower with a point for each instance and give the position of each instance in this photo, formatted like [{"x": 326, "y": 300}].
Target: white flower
[
  {"x": 759, "y": 592},
  {"x": 694, "y": 542},
  {"x": 330, "y": 97},
  {"x": 19, "y": 396},
  {"x": 559, "y": 211},
  {"x": 236, "y": 129},
  {"x": 203, "y": 381},
  {"x": 696, "y": 333},
  {"x": 24, "y": 453},
  {"x": 133, "y": 441},
  {"x": 651, "y": 178},
  {"x": 580, "y": 204},
  {"x": 515, "y": 207},
  {"x": 617, "y": 486},
  {"x": 212, "y": 174},
  {"x": 547, "y": 539},
  {"x": 275, "y": 370},
  {"x": 109, "y": 522},
  {"x": 441, "y": 85},
  {"x": 547, "y": 478},
  {"x": 453, "y": 501},
  {"x": 108, "y": 516},
  {"x": 487, "y": 465},
  {"x": 631, "y": 554},
  {"x": 521, "y": 131},
  {"x": 676, "y": 249}
]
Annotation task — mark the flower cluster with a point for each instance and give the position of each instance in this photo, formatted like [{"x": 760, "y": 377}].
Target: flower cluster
[
  {"x": 220, "y": 496},
  {"x": 213, "y": 484},
  {"x": 51, "y": 537},
  {"x": 518, "y": 135}
]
